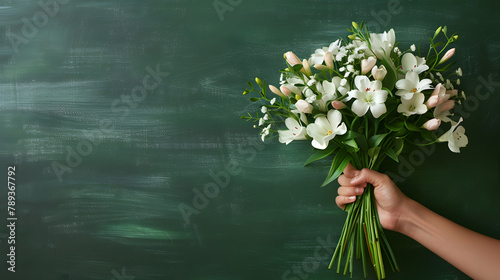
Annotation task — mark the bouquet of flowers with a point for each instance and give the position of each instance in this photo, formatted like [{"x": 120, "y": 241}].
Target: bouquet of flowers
[{"x": 362, "y": 100}]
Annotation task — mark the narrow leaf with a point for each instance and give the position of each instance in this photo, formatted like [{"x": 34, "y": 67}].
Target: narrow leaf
[{"x": 319, "y": 154}]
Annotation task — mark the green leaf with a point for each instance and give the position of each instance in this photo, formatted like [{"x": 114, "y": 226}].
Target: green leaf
[
  {"x": 373, "y": 152},
  {"x": 352, "y": 143},
  {"x": 398, "y": 146},
  {"x": 350, "y": 135},
  {"x": 319, "y": 154},
  {"x": 390, "y": 152},
  {"x": 297, "y": 67},
  {"x": 391, "y": 77},
  {"x": 428, "y": 135},
  {"x": 339, "y": 163},
  {"x": 254, "y": 99},
  {"x": 250, "y": 84},
  {"x": 394, "y": 125},
  {"x": 245, "y": 117},
  {"x": 375, "y": 140},
  {"x": 411, "y": 126}
]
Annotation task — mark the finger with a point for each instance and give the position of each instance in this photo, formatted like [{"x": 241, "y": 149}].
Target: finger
[
  {"x": 344, "y": 180},
  {"x": 343, "y": 200},
  {"x": 350, "y": 171},
  {"x": 369, "y": 176},
  {"x": 349, "y": 191}
]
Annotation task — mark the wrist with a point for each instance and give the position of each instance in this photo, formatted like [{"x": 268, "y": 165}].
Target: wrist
[{"x": 408, "y": 217}]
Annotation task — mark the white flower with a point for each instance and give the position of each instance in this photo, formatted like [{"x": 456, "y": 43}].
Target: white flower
[
  {"x": 369, "y": 95},
  {"x": 295, "y": 132},
  {"x": 459, "y": 72},
  {"x": 326, "y": 128},
  {"x": 455, "y": 137},
  {"x": 319, "y": 55},
  {"x": 261, "y": 121},
  {"x": 265, "y": 132},
  {"x": 266, "y": 117},
  {"x": 263, "y": 109},
  {"x": 382, "y": 44},
  {"x": 412, "y": 106},
  {"x": 409, "y": 62},
  {"x": 328, "y": 92},
  {"x": 413, "y": 48},
  {"x": 411, "y": 85},
  {"x": 272, "y": 101}
]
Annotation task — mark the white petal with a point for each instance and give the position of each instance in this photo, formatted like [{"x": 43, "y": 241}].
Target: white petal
[
  {"x": 359, "y": 108},
  {"x": 378, "y": 110},
  {"x": 334, "y": 117},
  {"x": 362, "y": 82}
]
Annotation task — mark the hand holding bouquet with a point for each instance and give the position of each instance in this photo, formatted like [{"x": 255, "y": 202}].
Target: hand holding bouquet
[{"x": 362, "y": 100}]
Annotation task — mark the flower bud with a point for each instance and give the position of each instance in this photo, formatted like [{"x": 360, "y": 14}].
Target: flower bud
[
  {"x": 438, "y": 96},
  {"x": 286, "y": 91},
  {"x": 245, "y": 92},
  {"x": 329, "y": 60},
  {"x": 432, "y": 124},
  {"x": 447, "y": 55},
  {"x": 367, "y": 64},
  {"x": 452, "y": 92},
  {"x": 338, "y": 105},
  {"x": 292, "y": 59},
  {"x": 320, "y": 67},
  {"x": 258, "y": 81},
  {"x": 306, "y": 69},
  {"x": 355, "y": 25},
  {"x": 303, "y": 106},
  {"x": 276, "y": 91},
  {"x": 437, "y": 31},
  {"x": 379, "y": 73}
]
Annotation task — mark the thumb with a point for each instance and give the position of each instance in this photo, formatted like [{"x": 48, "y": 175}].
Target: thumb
[{"x": 369, "y": 176}]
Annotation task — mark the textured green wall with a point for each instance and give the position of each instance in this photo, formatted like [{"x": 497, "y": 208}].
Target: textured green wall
[{"x": 117, "y": 114}]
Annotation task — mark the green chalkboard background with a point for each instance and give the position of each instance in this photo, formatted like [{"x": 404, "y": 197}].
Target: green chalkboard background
[{"x": 105, "y": 169}]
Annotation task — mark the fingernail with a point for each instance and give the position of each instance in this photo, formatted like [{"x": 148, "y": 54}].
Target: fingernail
[
  {"x": 352, "y": 198},
  {"x": 358, "y": 190}
]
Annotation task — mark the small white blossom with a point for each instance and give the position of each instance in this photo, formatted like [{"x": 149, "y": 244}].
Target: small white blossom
[
  {"x": 458, "y": 81},
  {"x": 263, "y": 109},
  {"x": 272, "y": 101},
  {"x": 266, "y": 117},
  {"x": 459, "y": 72},
  {"x": 261, "y": 121},
  {"x": 413, "y": 48}
]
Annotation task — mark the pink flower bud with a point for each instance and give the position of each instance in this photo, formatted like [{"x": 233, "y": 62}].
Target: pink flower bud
[
  {"x": 304, "y": 106},
  {"x": 432, "y": 102},
  {"x": 292, "y": 59},
  {"x": 432, "y": 124},
  {"x": 447, "y": 55},
  {"x": 452, "y": 92},
  {"x": 329, "y": 60},
  {"x": 276, "y": 91},
  {"x": 367, "y": 64},
  {"x": 338, "y": 105},
  {"x": 286, "y": 91},
  {"x": 446, "y": 106}
]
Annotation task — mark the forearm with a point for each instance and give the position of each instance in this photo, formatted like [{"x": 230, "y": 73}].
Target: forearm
[{"x": 474, "y": 254}]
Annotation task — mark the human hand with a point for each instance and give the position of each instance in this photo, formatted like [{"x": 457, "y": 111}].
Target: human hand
[{"x": 391, "y": 202}]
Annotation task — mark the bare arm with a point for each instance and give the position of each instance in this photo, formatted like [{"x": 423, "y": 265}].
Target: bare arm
[{"x": 474, "y": 254}]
